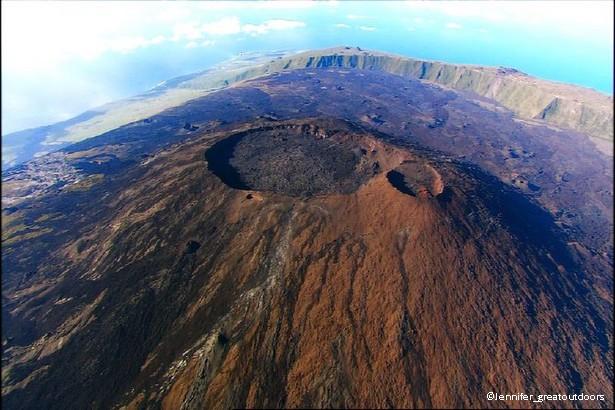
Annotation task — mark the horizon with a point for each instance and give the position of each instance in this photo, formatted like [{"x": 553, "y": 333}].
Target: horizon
[
  {"x": 295, "y": 52},
  {"x": 118, "y": 55}
]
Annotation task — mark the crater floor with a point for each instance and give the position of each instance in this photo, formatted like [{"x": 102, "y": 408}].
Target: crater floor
[{"x": 299, "y": 158}]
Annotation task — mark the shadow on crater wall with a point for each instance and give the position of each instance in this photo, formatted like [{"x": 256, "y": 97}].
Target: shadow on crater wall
[
  {"x": 397, "y": 180},
  {"x": 218, "y": 161}
]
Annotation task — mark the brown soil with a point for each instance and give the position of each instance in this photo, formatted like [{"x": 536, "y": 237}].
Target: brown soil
[{"x": 219, "y": 297}]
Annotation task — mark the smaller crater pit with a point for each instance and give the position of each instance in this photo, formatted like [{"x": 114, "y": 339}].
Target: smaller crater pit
[{"x": 416, "y": 178}]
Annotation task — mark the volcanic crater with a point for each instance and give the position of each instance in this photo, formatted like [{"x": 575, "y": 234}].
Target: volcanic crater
[
  {"x": 315, "y": 157},
  {"x": 416, "y": 178}
]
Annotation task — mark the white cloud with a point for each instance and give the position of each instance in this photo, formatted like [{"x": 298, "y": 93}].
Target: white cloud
[
  {"x": 194, "y": 31},
  {"x": 128, "y": 44},
  {"x": 187, "y": 31},
  {"x": 263, "y": 5},
  {"x": 567, "y": 17},
  {"x": 157, "y": 40},
  {"x": 56, "y": 94},
  {"x": 271, "y": 25},
  {"x": 367, "y": 28},
  {"x": 195, "y": 44},
  {"x": 454, "y": 26},
  {"x": 342, "y": 25},
  {"x": 222, "y": 27},
  {"x": 42, "y": 36},
  {"x": 284, "y": 5},
  {"x": 229, "y": 26},
  {"x": 47, "y": 43}
]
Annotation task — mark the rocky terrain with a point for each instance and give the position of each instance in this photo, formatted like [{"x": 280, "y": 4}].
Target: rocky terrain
[
  {"x": 321, "y": 237},
  {"x": 530, "y": 98},
  {"x": 294, "y": 159}
]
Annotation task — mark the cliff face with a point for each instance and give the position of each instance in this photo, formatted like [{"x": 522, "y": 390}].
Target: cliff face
[{"x": 562, "y": 105}]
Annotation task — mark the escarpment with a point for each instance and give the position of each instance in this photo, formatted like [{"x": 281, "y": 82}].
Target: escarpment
[
  {"x": 583, "y": 110},
  {"x": 578, "y": 108}
]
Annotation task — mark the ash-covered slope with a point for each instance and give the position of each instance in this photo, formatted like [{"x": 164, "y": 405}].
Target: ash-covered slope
[
  {"x": 563, "y": 105},
  {"x": 445, "y": 251}
]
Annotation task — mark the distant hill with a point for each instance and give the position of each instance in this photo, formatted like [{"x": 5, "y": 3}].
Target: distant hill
[{"x": 530, "y": 98}]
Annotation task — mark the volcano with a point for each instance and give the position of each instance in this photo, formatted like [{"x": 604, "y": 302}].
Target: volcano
[{"x": 319, "y": 237}]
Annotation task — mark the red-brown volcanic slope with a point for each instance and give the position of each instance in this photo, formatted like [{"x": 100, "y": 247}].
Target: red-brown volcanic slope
[
  {"x": 380, "y": 299},
  {"x": 258, "y": 261},
  {"x": 214, "y": 297}
]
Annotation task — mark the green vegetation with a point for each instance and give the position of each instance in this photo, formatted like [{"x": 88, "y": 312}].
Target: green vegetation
[
  {"x": 48, "y": 217},
  {"x": 13, "y": 230},
  {"x": 12, "y": 224},
  {"x": 9, "y": 219},
  {"x": 85, "y": 183},
  {"x": 11, "y": 240}
]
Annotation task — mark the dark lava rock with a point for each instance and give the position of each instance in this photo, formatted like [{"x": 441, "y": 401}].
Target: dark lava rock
[
  {"x": 292, "y": 159},
  {"x": 192, "y": 247},
  {"x": 190, "y": 127}
]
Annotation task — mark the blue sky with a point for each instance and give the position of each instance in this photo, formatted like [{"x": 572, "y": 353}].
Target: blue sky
[{"x": 62, "y": 58}]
